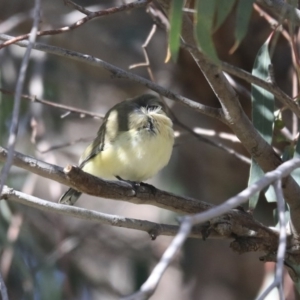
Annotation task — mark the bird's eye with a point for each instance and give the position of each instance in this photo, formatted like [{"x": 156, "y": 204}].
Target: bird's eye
[{"x": 153, "y": 107}]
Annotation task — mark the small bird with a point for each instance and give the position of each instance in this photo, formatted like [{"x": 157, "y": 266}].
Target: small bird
[{"x": 134, "y": 142}]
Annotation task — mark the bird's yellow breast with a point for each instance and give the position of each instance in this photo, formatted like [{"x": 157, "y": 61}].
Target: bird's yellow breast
[{"x": 136, "y": 154}]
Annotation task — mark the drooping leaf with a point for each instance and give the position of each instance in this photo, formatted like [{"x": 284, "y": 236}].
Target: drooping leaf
[
  {"x": 223, "y": 8},
  {"x": 175, "y": 27},
  {"x": 204, "y": 28},
  {"x": 262, "y": 100},
  {"x": 255, "y": 174},
  {"x": 262, "y": 115},
  {"x": 243, "y": 15}
]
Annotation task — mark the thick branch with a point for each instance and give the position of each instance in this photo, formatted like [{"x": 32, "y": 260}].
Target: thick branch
[
  {"x": 258, "y": 148},
  {"x": 232, "y": 224},
  {"x": 118, "y": 190}
]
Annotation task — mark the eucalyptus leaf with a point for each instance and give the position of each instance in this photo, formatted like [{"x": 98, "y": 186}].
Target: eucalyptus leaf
[
  {"x": 204, "y": 28},
  {"x": 223, "y": 9},
  {"x": 243, "y": 15},
  {"x": 175, "y": 27},
  {"x": 262, "y": 115}
]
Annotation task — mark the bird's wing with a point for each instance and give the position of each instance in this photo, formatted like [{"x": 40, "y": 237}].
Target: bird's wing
[{"x": 94, "y": 148}]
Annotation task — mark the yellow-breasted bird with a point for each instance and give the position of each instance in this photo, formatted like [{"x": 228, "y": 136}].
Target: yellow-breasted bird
[{"x": 134, "y": 142}]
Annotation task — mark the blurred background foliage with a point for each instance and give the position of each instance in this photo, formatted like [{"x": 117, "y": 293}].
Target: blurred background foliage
[{"x": 47, "y": 256}]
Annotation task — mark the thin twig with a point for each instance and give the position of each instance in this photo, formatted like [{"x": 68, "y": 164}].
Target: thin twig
[
  {"x": 122, "y": 74},
  {"x": 274, "y": 89},
  {"x": 90, "y": 16},
  {"x": 282, "y": 171},
  {"x": 279, "y": 6},
  {"x": 149, "y": 287},
  {"x": 282, "y": 238},
  {"x": 81, "y": 112},
  {"x": 144, "y": 47},
  {"x": 222, "y": 135},
  {"x": 17, "y": 100},
  {"x": 277, "y": 282},
  {"x": 154, "y": 229},
  {"x": 213, "y": 143},
  {"x": 67, "y": 144},
  {"x": 174, "y": 117},
  {"x": 78, "y": 7},
  {"x": 273, "y": 22}
]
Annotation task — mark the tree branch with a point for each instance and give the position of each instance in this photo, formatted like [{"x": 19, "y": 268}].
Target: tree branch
[
  {"x": 149, "y": 287},
  {"x": 268, "y": 86},
  {"x": 237, "y": 120},
  {"x": 71, "y": 109},
  {"x": 187, "y": 222},
  {"x": 90, "y": 16},
  {"x": 120, "y": 73},
  {"x": 154, "y": 229},
  {"x": 13, "y": 130},
  {"x": 282, "y": 8},
  {"x": 234, "y": 223}
]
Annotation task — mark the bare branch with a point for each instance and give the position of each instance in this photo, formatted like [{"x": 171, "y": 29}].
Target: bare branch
[
  {"x": 281, "y": 246},
  {"x": 71, "y": 109},
  {"x": 197, "y": 133},
  {"x": 118, "y": 190},
  {"x": 67, "y": 144},
  {"x": 237, "y": 120},
  {"x": 120, "y": 73},
  {"x": 17, "y": 100},
  {"x": 282, "y": 238},
  {"x": 149, "y": 287},
  {"x": 90, "y": 16},
  {"x": 146, "y": 63},
  {"x": 154, "y": 229},
  {"x": 78, "y": 7},
  {"x": 234, "y": 223},
  {"x": 274, "y": 89},
  {"x": 282, "y": 171},
  {"x": 174, "y": 117},
  {"x": 280, "y": 7}
]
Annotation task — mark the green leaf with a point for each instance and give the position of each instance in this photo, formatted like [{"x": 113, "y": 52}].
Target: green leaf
[
  {"x": 243, "y": 15},
  {"x": 223, "y": 8},
  {"x": 255, "y": 174},
  {"x": 204, "y": 27},
  {"x": 262, "y": 100},
  {"x": 262, "y": 115},
  {"x": 175, "y": 27}
]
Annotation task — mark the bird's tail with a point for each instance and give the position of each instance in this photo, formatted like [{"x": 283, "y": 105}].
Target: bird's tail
[{"x": 69, "y": 197}]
